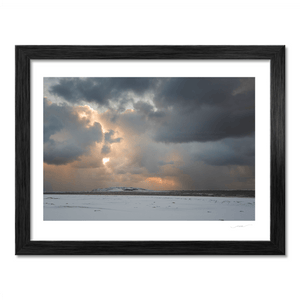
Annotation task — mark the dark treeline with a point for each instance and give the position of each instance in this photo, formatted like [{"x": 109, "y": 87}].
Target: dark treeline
[{"x": 198, "y": 193}]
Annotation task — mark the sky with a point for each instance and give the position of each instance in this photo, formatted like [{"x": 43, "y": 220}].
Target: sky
[{"x": 154, "y": 133}]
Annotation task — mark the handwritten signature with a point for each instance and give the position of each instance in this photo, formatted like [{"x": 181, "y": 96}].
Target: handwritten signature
[{"x": 239, "y": 226}]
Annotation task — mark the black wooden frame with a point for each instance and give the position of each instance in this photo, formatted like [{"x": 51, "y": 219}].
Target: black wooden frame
[{"x": 24, "y": 246}]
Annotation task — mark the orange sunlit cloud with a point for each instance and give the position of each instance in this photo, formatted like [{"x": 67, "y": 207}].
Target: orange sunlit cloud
[
  {"x": 87, "y": 113},
  {"x": 159, "y": 183}
]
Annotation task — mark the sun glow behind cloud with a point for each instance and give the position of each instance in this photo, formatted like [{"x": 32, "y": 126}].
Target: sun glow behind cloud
[{"x": 105, "y": 160}]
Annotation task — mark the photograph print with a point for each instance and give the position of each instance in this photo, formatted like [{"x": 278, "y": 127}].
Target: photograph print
[{"x": 125, "y": 149}]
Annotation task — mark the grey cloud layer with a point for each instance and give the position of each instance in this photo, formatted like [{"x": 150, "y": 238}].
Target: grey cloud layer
[
  {"x": 209, "y": 121},
  {"x": 186, "y": 109},
  {"x": 77, "y": 137},
  {"x": 227, "y": 152},
  {"x": 100, "y": 90},
  {"x": 205, "y": 109}
]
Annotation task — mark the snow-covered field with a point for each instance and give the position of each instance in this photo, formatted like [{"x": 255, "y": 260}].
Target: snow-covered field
[{"x": 150, "y": 207}]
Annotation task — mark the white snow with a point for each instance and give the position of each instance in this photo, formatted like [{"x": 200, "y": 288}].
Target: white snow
[{"x": 150, "y": 207}]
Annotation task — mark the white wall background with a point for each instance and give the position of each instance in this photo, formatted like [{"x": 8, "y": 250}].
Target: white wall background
[{"x": 115, "y": 22}]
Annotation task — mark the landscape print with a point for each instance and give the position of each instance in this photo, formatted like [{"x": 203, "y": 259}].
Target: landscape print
[{"x": 149, "y": 148}]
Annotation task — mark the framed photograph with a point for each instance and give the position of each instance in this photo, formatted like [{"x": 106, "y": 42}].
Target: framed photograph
[{"x": 150, "y": 150}]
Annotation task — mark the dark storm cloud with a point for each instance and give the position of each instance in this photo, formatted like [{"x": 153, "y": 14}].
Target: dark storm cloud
[
  {"x": 108, "y": 137},
  {"x": 184, "y": 109},
  {"x": 105, "y": 149},
  {"x": 228, "y": 152},
  {"x": 196, "y": 109},
  {"x": 143, "y": 107},
  {"x": 205, "y": 109},
  {"x": 191, "y": 92},
  {"x": 134, "y": 123},
  {"x": 163, "y": 163},
  {"x": 148, "y": 110},
  {"x": 206, "y": 124},
  {"x": 54, "y": 116},
  {"x": 76, "y": 135},
  {"x": 101, "y": 90}
]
